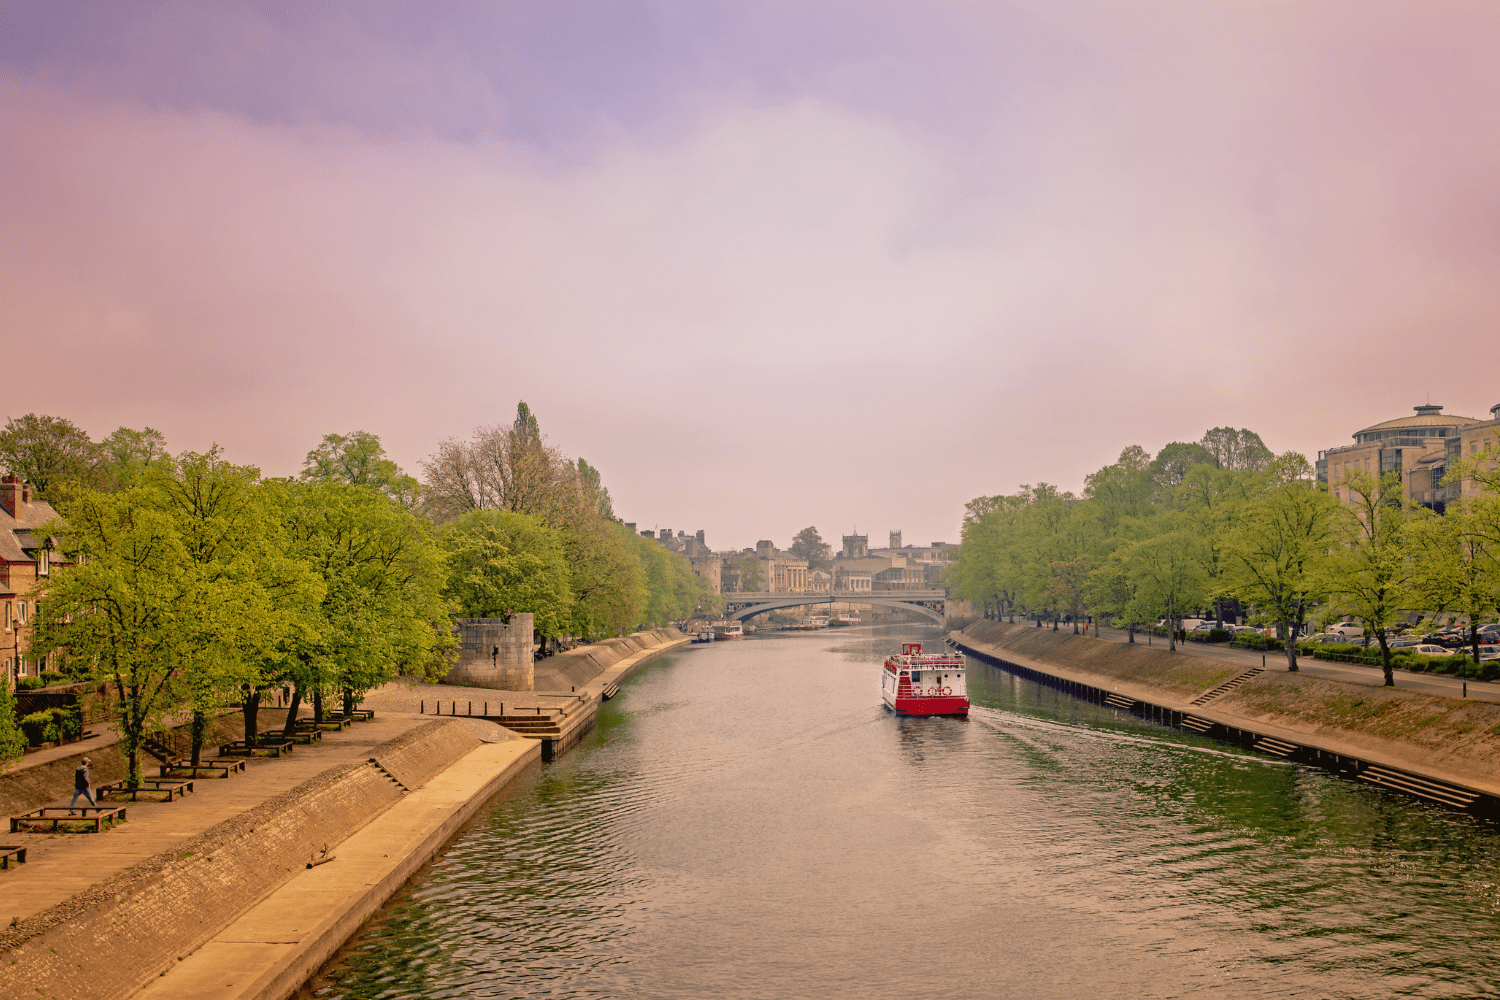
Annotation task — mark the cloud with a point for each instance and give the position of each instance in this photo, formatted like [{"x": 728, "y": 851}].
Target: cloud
[{"x": 861, "y": 282}]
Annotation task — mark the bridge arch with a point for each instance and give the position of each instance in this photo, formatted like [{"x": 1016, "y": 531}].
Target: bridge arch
[{"x": 797, "y": 600}]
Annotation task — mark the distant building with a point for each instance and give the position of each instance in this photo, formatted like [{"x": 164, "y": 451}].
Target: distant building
[
  {"x": 1418, "y": 449},
  {"x": 855, "y": 546},
  {"x": 895, "y": 539}
]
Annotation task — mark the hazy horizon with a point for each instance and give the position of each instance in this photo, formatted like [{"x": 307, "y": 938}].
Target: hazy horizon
[{"x": 764, "y": 265}]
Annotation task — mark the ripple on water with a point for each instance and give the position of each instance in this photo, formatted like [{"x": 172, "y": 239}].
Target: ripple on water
[{"x": 708, "y": 841}]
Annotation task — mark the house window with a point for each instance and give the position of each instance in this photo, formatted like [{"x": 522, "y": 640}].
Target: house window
[
  {"x": 43, "y": 562},
  {"x": 21, "y": 611}
]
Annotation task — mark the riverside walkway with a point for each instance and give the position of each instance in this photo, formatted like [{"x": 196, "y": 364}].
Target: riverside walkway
[
  {"x": 1351, "y": 673},
  {"x": 61, "y": 865}
]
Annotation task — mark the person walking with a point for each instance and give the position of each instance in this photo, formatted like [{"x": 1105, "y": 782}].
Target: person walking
[{"x": 81, "y": 785}]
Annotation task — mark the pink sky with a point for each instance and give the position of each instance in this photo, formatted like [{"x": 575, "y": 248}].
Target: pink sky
[{"x": 766, "y": 266}]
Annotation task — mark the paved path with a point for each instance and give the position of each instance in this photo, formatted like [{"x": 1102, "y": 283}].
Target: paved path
[
  {"x": 59, "y": 865},
  {"x": 1352, "y": 673}
]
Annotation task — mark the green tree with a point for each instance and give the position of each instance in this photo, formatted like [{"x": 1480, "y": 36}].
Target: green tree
[
  {"x": 1279, "y": 549},
  {"x": 12, "y": 740},
  {"x": 125, "y": 607},
  {"x": 498, "y": 561},
  {"x": 1237, "y": 450},
  {"x": 1166, "y": 573},
  {"x": 1172, "y": 463},
  {"x": 127, "y": 454},
  {"x": 47, "y": 452},
  {"x": 358, "y": 459},
  {"x": 809, "y": 545},
  {"x": 1371, "y": 572}
]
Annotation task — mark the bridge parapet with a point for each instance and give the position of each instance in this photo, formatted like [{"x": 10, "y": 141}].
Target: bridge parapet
[{"x": 746, "y": 605}]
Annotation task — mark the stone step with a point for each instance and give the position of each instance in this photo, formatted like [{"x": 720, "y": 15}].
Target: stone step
[
  {"x": 1436, "y": 791},
  {"x": 1120, "y": 701},
  {"x": 1275, "y": 747},
  {"x": 1196, "y": 724},
  {"x": 1227, "y": 686}
]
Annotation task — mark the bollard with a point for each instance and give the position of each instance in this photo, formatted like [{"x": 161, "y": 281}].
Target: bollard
[
  {"x": 424, "y": 706},
  {"x": 486, "y": 709},
  {"x": 471, "y": 708},
  {"x": 1466, "y": 689}
]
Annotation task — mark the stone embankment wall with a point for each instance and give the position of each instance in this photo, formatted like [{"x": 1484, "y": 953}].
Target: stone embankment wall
[
  {"x": 1454, "y": 739},
  {"x": 577, "y": 667},
  {"x": 494, "y": 654},
  {"x": 109, "y": 941}
]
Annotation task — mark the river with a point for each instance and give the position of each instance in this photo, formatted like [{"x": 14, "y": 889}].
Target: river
[{"x": 749, "y": 821}]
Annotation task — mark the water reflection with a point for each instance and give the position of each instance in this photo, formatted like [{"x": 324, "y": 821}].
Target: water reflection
[{"x": 747, "y": 821}]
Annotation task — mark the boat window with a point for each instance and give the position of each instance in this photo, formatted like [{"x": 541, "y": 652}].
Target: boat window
[{"x": 916, "y": 675}]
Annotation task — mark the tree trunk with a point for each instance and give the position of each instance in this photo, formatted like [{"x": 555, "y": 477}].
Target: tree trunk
[
  {"x": 1132, "y": 633},
  {"x": 1075, "y": 624},
  {"x": 200, "y": 725},
  {"x": 348, "y": 703},
  {"x": 1474, "y": 637},
  {"x": 251, "y": 710},
  {"x": 133, "y": 732},
  {"x": 1289, "y": 643},
  {"x": 290, "y": 728},
  {"x": 1385, "y": 659},
  {"x": 318, "y": 706},
  {"x": 1171, "y": 633}
]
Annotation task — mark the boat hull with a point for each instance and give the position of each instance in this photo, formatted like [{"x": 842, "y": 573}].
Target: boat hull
[{"x": 904, "y": 705}]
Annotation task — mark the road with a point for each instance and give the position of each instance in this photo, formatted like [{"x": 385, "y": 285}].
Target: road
[{"x": 1352, "y": 673}]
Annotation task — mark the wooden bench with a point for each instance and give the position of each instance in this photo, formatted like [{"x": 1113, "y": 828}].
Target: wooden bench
[
  {"x": 171, "y": 787},
  {"x": 212, "y": 768},
  {"x": 9, "y": 853},
  {"x": 262, "y": 748},
  {"x": 329, "y": 723},
  {"x": 360, "y": 715},
  {"x": 306, "y": 736},
  {"x": 95, "y": 816}
]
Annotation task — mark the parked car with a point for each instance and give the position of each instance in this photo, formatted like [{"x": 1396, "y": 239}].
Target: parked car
[
  {"x": 1347, "y": 628},
  {"x": 1330, "y": 638},
  {"x": 1403, "y": 642},
  {"x": 1488, "y": 653},
  {"x": 1429, "y": 649},
  {"x": 1245, "y": 630},
  {"x": 1452, "y": 640}
]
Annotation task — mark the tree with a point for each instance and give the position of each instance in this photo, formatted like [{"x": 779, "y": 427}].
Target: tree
[
  {"x": 1166, "y": 572},
  {"x": 1279, "y": 549},
  {"x": 382, "y": 613},
  {"x": 1370, "y": 572},
  {"x": 498, "y": 561},
  {"x": 1237, "y": 450},
  {"x": 809, "y": 545},
  {"x": 12, "y": 739},
  {"x": 124, "y": 607},
  {"x": 1457, "y": 562},
  {"x": 358, "y": 459},
  {"x": 127, "y": 454},
  {"x": 1067, "y": 586},
  {"x": 47, "y": 452},
  {"x": 1171, "y": 464}
]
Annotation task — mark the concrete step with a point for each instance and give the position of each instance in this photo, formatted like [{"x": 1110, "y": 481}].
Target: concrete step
[
  {"x": 1426, "y": 788},
  {"x": 1196, "y": 724},
  {"x": 1120, "y": 701},
  {"x": 1227, "y": 686},
  {"x": 1275, "y": 747}
]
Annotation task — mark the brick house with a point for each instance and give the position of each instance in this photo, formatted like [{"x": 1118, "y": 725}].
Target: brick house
[{"x": 26, "y": 561}]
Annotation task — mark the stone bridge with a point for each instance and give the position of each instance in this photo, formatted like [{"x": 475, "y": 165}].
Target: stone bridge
[{"x": 744, "y": 606}]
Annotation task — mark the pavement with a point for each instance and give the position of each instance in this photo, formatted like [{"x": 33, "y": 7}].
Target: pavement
[
  {"x": 1350, "y": 673},
  {"x": 62, "y": 864}
]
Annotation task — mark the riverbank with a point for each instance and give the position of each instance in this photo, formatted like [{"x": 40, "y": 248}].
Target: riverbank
[
  {"x": 102, "y": 915},
  {"x": 1348, "y": 726}
]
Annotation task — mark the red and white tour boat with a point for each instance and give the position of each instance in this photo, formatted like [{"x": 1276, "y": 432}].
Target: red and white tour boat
[
  {"x": 728, "y": 630},
  {"x": 917, "y": 683}
]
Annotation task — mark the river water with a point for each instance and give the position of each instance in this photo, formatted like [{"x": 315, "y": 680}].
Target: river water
[{"x": 749, "y": 821}]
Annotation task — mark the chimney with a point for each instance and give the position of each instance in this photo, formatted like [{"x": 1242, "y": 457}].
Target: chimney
[{"x": 13, "y": 494}]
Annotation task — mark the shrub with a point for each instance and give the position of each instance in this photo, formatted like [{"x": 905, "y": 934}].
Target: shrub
[
  {"x": 39, "y": 727},
  {"x": 69, "y": 722},
  {"x": 1489, "y": 670},
  {"x": 28, "y": 683},
  {"x": 51, "y": 677}
]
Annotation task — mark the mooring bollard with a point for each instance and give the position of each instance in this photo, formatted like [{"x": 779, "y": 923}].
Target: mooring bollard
[
  {"x": 471, "y": 708},
  {"x": 424, "y": 706}
]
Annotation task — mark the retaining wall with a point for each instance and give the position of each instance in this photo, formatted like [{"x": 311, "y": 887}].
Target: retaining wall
[
  {"x": 109, "y": 941},
  {"x": 577, "y": 667}
]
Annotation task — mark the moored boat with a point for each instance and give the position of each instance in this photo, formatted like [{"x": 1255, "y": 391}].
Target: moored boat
[
  {"x": 703, "y": 635},
  {"x": 844, "y": 619},
  {"x": 728, "y": 630},
  {"x": 917, "y": 683}
]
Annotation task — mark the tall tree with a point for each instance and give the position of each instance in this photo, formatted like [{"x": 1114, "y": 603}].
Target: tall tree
[
  {"x": 1279, "y": 549},
  {"x": 359, "y": 459},
  {"x": 1237, "y": 450},
  {"x": 498, "y": 561},
  {"x": 1372, "y": 571},
  {"x": 126, "y": 455},
  {"x": 47, "y": 452},
  {"x": 809, "y": 545}
]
